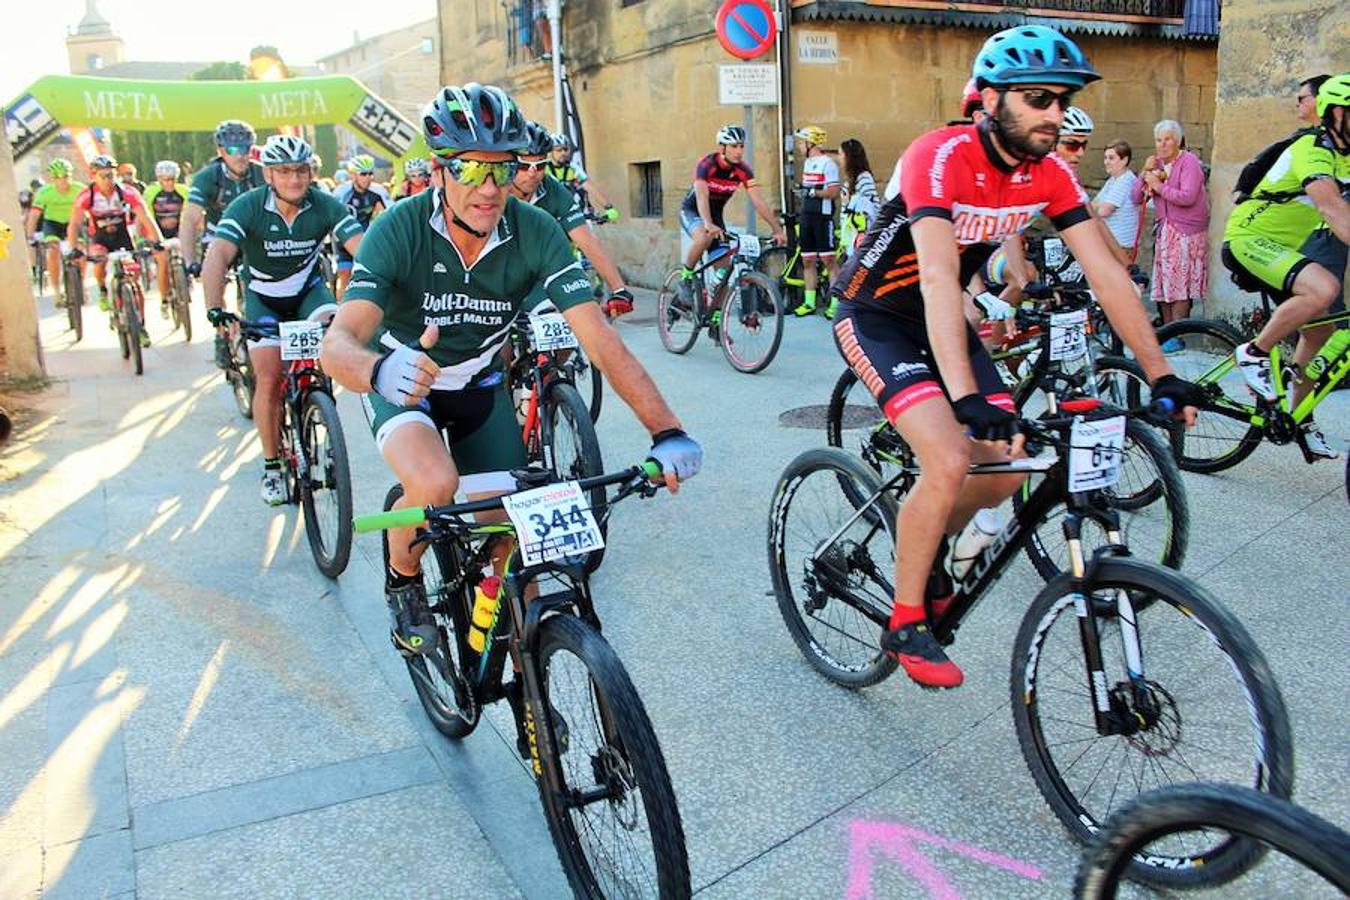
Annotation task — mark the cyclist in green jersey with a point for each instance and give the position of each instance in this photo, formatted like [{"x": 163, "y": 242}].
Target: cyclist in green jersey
[
  {"x": 532, "y": 185},
  {"x": 563, "y": 166},
  {"x": 436, "y": 285},
  {"x": 1303, "y": 191},
  {"x": 50, "y": 213},
  {"x": 279, "y": 229},
  {"x": 165, "y": 199}
]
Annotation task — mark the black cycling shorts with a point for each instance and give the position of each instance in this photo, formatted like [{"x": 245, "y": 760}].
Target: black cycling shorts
[
  {"x": 815, "y": 235},
  {"x": 890, "y": 354},
  {"x": 110, "y": 241}
]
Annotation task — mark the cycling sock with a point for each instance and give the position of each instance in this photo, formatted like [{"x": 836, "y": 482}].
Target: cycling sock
[
  {"x": 393, "y": 579},
  {"x": 903, "y": 615},
  {"x": 810, "y": 296},
  {"x": 269, "y": 464},
  {"x": 1256, "y": 351}
]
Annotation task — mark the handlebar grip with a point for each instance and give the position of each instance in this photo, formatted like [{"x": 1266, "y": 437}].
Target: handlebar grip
[
  {"x": 395, "y": 518},
  {"x": 1163, "y": 406},
  {"x": 652, "y": 469}
]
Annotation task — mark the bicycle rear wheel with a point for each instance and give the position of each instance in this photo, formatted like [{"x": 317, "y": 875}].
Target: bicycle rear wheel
[
  {"x": 131, "y": 328},
  {"x": 615, "y": 822},
  {"x": 576, "y": 449},
  {"x": 1217, "y": 441},
  {"x": 676, "y": 321},
  {"x": 752, "y": 323},
  {"x": 182, "y": 298},
  {"x": 74, "y": 294},
  {"x": 442, "y": 690},
  {"x": 1134, "y": 832},
  {"x": 834, "y": 595},
  {"x": 1150, "y": 498},
  {"x": 1206, "y": 708},
  {"x": 327, "y": 497}
]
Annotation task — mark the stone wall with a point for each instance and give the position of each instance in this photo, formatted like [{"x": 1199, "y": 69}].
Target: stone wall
[{"x": 1266, "y": 47}]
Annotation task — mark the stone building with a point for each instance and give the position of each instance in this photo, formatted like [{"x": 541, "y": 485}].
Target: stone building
[
  {"x": 402, "y": 67},
  {"x": 92, "y": 45},
  {"x": 645, "y": 77}
]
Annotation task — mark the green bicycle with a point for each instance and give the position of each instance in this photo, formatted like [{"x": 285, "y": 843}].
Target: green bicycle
[
  {"x": 1231, "y": 425},
  {"x": 783, "y": 265}
]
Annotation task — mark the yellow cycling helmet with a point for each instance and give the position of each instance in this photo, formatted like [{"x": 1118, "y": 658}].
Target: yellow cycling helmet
[{"x": 812, "y": 134}]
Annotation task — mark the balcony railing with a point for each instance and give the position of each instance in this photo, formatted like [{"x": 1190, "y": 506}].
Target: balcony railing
[
  {"x": 1153, "y": 9},
  {"x": 527, "y": 34}
]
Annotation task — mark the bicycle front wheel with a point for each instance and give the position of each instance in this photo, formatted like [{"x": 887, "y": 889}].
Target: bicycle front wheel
[
  {"x": 1206, "y": 706},
  {"x": 589, "y": 383},
  {"x": 74, "y": 291},
  {"x": 1150, "y": 499},
  {"x": 1133, "y": 834},
  {"x": 445, "y": 695},
  {"x": 131, "y": 320},
  {"x": 614, "y": 819},
  {"x": 1223, "y": 435},
  {"x": 752, "y": 323},
  {"x": 576, "y": 449},
  {"x": 182, "y": 299},
  {"x": 834, "y": 595},
  {"x": 676, "y": 321},
  {"x": 327, "y": 497},
  {"x": 240, "y": 375},
  {"x": 773, "y": 262}
]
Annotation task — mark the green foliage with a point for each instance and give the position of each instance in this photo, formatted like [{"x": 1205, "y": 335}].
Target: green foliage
[{"x": 221, "y": 71}]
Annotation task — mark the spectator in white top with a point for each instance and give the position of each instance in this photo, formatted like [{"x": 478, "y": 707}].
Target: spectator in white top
[
  {"x": 815, "y": 225},
  {"x": 860, "y": 193},
  {"x": 1115, "y": 201}
]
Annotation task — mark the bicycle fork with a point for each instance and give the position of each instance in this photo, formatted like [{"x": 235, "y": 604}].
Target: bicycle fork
[{"x": 1113, "y": 712}]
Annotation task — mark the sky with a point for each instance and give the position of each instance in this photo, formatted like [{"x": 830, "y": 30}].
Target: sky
[{"x": 191, "y": 30}]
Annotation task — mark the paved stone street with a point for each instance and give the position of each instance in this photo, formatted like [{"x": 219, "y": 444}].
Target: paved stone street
[{"x": 189, "y": 709}]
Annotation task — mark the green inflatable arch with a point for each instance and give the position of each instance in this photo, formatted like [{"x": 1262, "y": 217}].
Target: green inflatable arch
[{"x": 62, "y": 101}]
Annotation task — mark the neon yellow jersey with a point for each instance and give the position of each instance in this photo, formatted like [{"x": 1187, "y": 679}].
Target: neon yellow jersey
[
  {"x": 1280, "y": 210},
  {"x": 56, "y": 206}
]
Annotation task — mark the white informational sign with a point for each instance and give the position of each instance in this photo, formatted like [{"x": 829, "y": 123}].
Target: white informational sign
[
  {"x": 1068, "y": 335},
  {"x": 1095, "y": 453},
  {"x": 553, "y": 522},
  {"x": 750, "y": 84},
  {"x": 550, "y": 331},
  {"x": 818, "y": 47},
  {"x": 300, "y": 339}
]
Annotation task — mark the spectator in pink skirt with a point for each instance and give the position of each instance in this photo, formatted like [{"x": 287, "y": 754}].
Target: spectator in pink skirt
[{"x": 1175, "y": 183}]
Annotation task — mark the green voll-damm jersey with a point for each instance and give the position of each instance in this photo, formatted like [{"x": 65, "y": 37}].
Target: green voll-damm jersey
[
  {"x": 1279, "y": 210},
  {"x": 409, "y": 268},
  {"x": 56, "y": 206},
  {"x": 555, "y": 199},
  {"x": 281, "y": 260},
  {"x": 214, "y": 188}
]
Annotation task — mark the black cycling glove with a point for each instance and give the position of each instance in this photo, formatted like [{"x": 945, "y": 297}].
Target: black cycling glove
[
  {"x": 985, "y": 420},
  {"x": 1179, "y": 392}
]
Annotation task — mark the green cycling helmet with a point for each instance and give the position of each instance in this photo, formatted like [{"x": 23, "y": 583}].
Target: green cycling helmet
[
  {"x": 362, "y": 164},
  {"x": 1335, "y": 91},
  {"x": 60, "y": 168}
]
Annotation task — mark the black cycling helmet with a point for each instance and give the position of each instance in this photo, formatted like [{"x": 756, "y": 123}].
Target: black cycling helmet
[
  {"x": 234, "y": 133},
  {"x": 473, "y": 117},
  {"x": 541, "y": 140},
  {"x": 103, "y": 161}
]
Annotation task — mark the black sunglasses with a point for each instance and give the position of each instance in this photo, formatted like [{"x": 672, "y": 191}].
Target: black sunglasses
[
  {"x": 1073, "y": 145},
  {"x": 1040, "y": 98}
]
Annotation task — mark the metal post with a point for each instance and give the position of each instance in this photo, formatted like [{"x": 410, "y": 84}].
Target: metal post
[
  {"x": 784, "y": 104},
  {"x": 749, "y": 161},
  {"x": 555, "y": 33}
]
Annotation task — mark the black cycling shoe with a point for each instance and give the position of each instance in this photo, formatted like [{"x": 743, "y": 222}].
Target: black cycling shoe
[
  {"x": 513, "y": 697},
  {"x": 414, "y": 630},
  {"x": 919, "y": 654}
]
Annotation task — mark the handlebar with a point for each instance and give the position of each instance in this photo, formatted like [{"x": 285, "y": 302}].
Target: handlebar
[{"x": 634, "y": 479}]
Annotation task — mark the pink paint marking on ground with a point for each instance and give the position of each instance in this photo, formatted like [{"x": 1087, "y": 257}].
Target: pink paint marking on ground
[{"x": 901, "y": 843}]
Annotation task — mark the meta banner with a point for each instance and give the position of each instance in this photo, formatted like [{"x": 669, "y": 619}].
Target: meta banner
[{"x": 68, "y": 101}]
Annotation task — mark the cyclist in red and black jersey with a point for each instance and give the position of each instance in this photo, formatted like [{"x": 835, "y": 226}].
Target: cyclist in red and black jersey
[
  {"x": 716, "y": 177},
  {"x": 900, "y": 324}
]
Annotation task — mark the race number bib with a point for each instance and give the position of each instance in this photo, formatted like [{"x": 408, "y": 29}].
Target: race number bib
[
  {"x": 1055, "y": 253},
  {"x": 301, "y": 339},
  {"x": 553, "y": 522},
  {"x": 749, "y": 246},
  {"x": 1095, "y": 453},
  {"x": 550, "y": 331},
  {"x": 1068, "y": 335}
]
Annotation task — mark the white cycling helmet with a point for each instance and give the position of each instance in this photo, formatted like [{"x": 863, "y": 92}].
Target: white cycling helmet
[
  {"x": 283, "y": 149},
  {"x": 731, "y": 134},
  {"x": 1076, "y": 123},
  {"x": 167, "y": 168}
]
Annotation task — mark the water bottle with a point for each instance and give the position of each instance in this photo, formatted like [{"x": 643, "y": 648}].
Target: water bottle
[
  {"x": 486, "y": 598},
  {"x": 520, "y": 399},
  {"x": 1331, "y": 351},
  {"x": 980, "y": 533}
]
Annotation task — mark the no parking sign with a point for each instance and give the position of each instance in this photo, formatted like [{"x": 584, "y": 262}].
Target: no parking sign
[{"x": 746, "y": 28}]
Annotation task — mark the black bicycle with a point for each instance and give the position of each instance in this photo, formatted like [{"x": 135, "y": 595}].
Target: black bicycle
[
  {"x": 180, "y": 290},
  {"x": 602, "y": 778},
  {"x": 318, "y": 473},
  {"x": 128, "y": 302},
  {"x": 1166, "y": 820},
  {"x": 1125, "y": 675},
  {"x": 72, "y": 288}
]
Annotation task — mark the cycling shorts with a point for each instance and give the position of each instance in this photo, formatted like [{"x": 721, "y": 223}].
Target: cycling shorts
[
  {"x": 690, "y": 220},
  {"x": 479, "y": 424},
  {"x": 103, "y": 242},
  {"x": 53, "y": 231},
  {"x": 890, "y": 354},
  {"x": 257, "y": 307},
  {"x": 815, "y": 235},
  {"x": 1260, "y": 263}
]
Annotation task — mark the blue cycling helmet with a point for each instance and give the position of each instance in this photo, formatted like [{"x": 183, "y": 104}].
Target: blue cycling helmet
[
  {"x": 1031, "y": 54},
  {"x": 541, "y": 140}
]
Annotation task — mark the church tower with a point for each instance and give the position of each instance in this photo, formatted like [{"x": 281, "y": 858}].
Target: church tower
[{"x": 92, "y": 45}]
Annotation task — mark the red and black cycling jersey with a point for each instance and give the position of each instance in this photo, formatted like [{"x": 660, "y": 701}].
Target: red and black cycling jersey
[
  {"x": 723, "y": 180},
  {"x": 955, "y": 173}
]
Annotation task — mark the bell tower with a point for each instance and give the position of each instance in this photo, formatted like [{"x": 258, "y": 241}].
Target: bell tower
[{"x": 92, "y": 45}]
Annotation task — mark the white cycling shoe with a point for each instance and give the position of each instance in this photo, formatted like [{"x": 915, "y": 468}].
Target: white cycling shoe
[
  {"x": 1317, "y": 443},
  {"x": 1256, "y": 369},
  {"x": 274, "y": 487}
]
